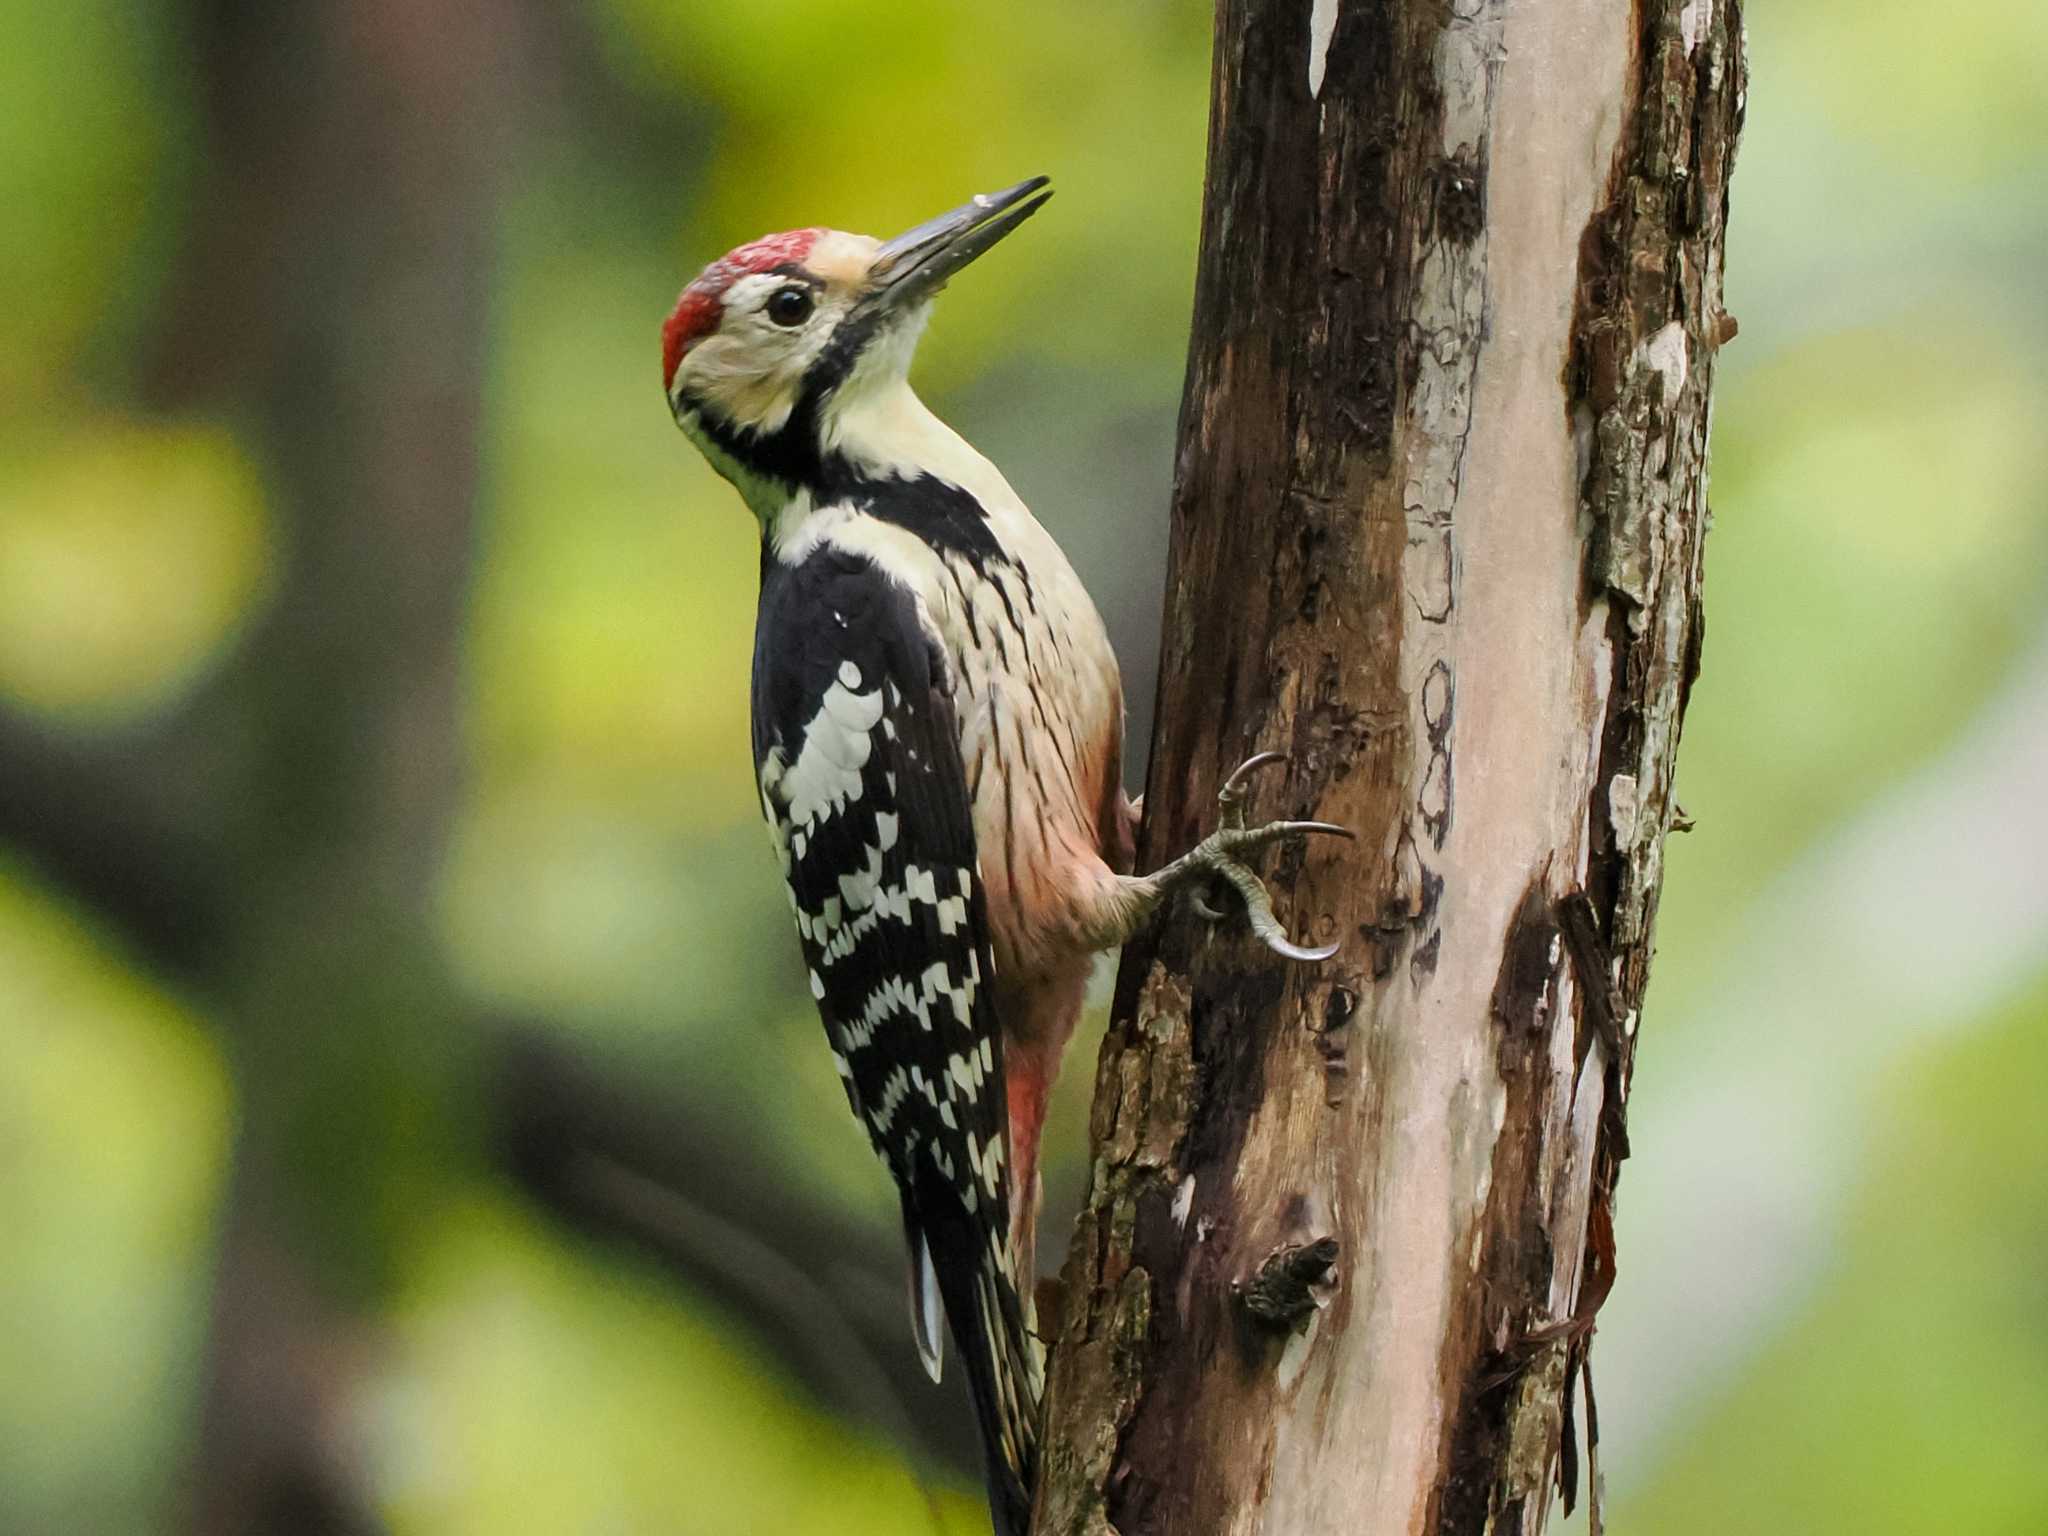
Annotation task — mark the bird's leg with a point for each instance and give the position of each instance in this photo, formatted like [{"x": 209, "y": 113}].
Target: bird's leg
[{"x": 1220, "y": 856}]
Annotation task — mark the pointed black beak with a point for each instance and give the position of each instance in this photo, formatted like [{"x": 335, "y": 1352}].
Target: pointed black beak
[{"x": 917, "y": 263}]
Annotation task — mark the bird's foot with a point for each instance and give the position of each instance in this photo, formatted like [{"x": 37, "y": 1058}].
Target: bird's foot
[{"x": 1219, "y": 859}]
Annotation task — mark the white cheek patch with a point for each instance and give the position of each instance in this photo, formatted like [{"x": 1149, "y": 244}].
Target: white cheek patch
[
  {"x": 729, "y": 377},
  {"x": 750, "y": 371}
]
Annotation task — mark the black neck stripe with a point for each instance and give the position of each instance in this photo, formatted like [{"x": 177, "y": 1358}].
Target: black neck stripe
[{"x": 937, "y": 511}]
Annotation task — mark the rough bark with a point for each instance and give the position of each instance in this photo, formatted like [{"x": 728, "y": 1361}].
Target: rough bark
[{"x": 1437, "y": 528}]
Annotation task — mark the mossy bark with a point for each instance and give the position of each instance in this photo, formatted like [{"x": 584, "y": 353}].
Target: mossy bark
[{"x": 1437, "y": 529}]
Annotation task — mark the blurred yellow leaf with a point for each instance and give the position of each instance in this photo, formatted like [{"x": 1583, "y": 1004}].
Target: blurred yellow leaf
[{"x": 128, "y": 554}]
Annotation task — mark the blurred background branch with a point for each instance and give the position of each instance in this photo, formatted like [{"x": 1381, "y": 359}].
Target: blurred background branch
[
  {"x": 372, "y": 671},
  {"x": 332, "y": 295}
]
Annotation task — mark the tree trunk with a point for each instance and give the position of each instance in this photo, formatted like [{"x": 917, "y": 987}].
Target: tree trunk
[{"x": 1436, "y": 534}]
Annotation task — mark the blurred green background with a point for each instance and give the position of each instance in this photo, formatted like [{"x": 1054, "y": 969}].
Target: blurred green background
[{"x": 411, "y": 1115}]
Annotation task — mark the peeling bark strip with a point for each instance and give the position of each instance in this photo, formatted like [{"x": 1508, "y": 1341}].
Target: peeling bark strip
[{"x": 1436, "y": 534}]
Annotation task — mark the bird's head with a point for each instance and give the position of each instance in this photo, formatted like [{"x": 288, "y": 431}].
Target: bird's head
[{"x": 775, "y": 340}]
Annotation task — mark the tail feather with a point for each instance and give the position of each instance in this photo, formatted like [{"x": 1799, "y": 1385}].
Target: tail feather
[
  {"x": 927, "y": 1320},
  {"x": 991, "y": 1322}
]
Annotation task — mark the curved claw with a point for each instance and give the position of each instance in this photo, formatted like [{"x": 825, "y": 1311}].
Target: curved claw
[
  {"x": 1232, "y": 795},
  {"x": 1234, "y": 785},
  {"x": 1329, "y": 827},
  {"x": 1258, "y": 911},
  {"x": 1286, "y": 949},
  {"x": 1200, "y": 902},
  {"x": 1240, "y": 839}
]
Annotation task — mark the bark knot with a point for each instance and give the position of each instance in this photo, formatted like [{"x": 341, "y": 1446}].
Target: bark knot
[{"x": 1283, "y": 1294}]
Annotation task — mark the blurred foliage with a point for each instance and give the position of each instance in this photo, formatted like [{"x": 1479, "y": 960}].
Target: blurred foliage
[
  {"x": 92, "y": 110},
  {"x": 1910, "y": 1394},
  {"x": 1878, "y": 562},
  {"x": 1966, "y": 110},
  {"x": 813, "y": 95},
  {"x": 519, "y": 1354},
  {"x": 113, "y": 1137},
  {"x": 129, "y": 554}
]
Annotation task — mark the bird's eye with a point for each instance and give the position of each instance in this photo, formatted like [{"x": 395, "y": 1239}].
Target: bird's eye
[{"x": 791, "y": 305}]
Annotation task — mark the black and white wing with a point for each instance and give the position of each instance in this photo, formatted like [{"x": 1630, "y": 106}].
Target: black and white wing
[{"x": 859, "y": 765}]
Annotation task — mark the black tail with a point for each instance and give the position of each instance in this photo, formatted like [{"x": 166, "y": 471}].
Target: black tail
[{"x": 990, "y": 1325}]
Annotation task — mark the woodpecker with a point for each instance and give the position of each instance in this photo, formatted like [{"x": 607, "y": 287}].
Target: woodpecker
[{"x": 938, "y": 738}]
